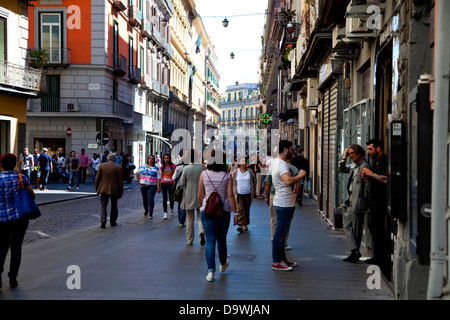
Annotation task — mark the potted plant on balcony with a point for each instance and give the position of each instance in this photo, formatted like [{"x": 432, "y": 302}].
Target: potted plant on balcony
[
  {"x": 37, "y": 58},
  {"x": 286, "y": 16}
]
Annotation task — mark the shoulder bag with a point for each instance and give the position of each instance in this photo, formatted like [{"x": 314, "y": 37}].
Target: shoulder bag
[{"x": 25, "y": 204}]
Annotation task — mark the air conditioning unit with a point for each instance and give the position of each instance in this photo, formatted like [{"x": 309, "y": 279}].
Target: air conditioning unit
[
  {"x": 358, "y": 28},
  {"x": 338, "y": 34},
  {"x": 312, "y": 100},
  {"x": 73, "y": 107}
]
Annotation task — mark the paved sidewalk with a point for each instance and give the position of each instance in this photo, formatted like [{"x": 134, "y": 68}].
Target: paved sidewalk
[
  {"x": 57, "y": 192},
  {"x": 149, "y": 259}
]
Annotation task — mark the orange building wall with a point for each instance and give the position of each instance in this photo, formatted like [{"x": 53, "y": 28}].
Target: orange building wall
[
  {"x": 124, "y": 32},
  {"x": 78, "y": 39}
]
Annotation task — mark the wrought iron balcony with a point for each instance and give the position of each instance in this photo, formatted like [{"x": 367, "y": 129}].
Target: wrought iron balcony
[
  {"x": 119, "y": 65},
  {"x": 135, "y": 75},
  {"x": 134, "y": 16},
  {"x": 81, "y": 106},
  {"x": 146, "y": 28},
  {"x": 20, "y": 79},
  {"x": 120, "y": 5},
  {"x": 156, "y": 34}
]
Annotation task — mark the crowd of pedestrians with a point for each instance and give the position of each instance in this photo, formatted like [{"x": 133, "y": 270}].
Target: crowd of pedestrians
[{"x": 210, "y": 193}]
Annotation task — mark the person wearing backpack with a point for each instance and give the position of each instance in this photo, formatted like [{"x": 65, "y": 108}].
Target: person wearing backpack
[{"x": 215, "y": 194}]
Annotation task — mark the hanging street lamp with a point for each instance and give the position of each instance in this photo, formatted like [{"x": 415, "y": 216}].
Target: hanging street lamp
[
  {"x": 232, "y": 55},
  {"x": 225, "y": 22}
]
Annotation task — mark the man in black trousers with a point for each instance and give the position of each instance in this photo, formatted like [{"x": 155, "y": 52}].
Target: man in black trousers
[{"x": 379, "y": 222}]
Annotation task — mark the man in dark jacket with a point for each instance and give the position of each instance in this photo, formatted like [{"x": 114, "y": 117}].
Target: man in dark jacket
[
  {"x": 46, "y": 167},
  {"x": 378, "y": 216},
  {"x": 109, "y": 185},
  {"x": 358, "y": 198}
]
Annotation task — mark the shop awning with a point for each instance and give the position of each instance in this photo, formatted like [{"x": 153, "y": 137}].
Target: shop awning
[{"x": 165, "y": 140}]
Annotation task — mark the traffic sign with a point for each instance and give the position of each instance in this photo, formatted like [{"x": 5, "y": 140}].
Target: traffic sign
[
  {"x": 69, "y": 131},
  {"x": 105, "y": 138}
]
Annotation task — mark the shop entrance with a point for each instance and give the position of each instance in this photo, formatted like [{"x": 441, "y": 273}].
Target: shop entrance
[{"x": 54, "y": 145}]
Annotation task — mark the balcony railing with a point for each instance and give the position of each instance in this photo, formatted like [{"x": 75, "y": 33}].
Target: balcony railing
[
  {"x": 146, "y": 81},
  {"x": 119, "y": 65},
  {"x": 134, "y": 16},
  {"x": 156, "y": 85},
  {"x": 94, "y": 106},
  {"x": 21, "y": 78},
  {"x": 120, "y": 5},
  {"x": 170, "y": 51},
  {"x": 146, "y": 28},
  {"x": 164, "y": 89},
  {"x": 57, "y": 56},
  {"x": 156, "y": 34},
  {"x": 239, "y": 118},
  {"x": 135, "y": 75}
]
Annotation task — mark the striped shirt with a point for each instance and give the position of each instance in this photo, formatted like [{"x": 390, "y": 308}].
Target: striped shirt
[
  {"x": 9, "y": 180},
  {"x": 167, "y": 173}
]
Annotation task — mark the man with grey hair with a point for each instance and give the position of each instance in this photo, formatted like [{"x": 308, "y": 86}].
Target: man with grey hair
[
  {"x": 109, "y": 185},
  {"x": 358, "y": 198}
]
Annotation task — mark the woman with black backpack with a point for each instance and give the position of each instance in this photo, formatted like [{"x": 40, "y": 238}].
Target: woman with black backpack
[{"x": 215, "y": 194}]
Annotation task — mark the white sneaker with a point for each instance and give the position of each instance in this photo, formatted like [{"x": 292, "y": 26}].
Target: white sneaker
[
  {"x": 210, "y": 277},
  {"x": 165, "y": 215},
  {"x": 224, "y": 266}
]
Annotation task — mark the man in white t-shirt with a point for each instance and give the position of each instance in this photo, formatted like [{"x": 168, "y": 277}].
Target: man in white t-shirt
[{"x": 284, "y": 182}]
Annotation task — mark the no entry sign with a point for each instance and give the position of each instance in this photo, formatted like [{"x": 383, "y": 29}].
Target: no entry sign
[{"x": 69, "y": 131}]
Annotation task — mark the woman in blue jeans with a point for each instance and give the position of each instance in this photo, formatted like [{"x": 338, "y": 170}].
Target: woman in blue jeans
[
  {"x": 216, "y": 177},
  {"x": 12, "y": 227},
  {"x": 149, "y": 177}
]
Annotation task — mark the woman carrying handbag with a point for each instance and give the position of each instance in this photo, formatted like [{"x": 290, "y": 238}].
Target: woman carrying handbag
[{"x": 12, "y": 226}]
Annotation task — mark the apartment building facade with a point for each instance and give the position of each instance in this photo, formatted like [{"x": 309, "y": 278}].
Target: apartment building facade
[
  {"x": 107, "y": 75},
  {"x": 360, "y": 70},
  {"x": 18, "y": 80}
]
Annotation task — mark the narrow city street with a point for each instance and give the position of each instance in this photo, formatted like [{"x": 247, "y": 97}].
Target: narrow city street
[{"x": 149, "y": 259}]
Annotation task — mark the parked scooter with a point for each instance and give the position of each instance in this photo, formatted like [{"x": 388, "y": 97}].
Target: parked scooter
[
  {"x": 59, "y": 174},
  {"x": 128, "y": 173}
]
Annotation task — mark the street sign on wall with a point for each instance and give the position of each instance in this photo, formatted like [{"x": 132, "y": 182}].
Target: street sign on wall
[{"x": 105, "y": 138}]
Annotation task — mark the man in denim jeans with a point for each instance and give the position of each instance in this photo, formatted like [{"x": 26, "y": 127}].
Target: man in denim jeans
[
  {"x": 284, "y": 181},
  {"x": 73, "y": 164}
]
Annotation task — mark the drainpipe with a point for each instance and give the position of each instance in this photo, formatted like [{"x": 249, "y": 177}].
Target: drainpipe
[{"x": 440, "y": 150}]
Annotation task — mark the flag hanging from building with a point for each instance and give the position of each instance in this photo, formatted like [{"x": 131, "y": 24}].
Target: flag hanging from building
[{"x": 198, "y": 43}]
